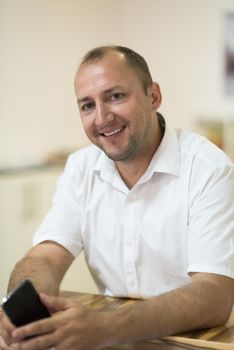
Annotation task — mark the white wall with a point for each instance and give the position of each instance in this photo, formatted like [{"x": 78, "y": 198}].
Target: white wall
[
  {"x": 183, "y": 43},
  {"x": 41, "y": 43}
]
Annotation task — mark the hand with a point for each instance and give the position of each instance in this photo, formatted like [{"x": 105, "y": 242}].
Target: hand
[
  {"x": 72, "y": 327},
  {"x": 6, "y": 328}
]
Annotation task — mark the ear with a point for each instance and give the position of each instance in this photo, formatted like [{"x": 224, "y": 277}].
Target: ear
[{"x": 155, "y": 96}]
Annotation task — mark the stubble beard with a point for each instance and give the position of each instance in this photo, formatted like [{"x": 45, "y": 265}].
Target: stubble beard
[
  {"x": 137, "y": 145},
  {"x": 128, "y": 153}
]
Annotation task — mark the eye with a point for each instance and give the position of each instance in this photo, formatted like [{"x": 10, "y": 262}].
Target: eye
[
  {"x": 117, "y": 96},
  {"x": 87, "y": 106}
]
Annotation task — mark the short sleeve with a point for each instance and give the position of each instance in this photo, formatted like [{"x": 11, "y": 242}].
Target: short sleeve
[
  {"x": 211, "y": 223},
  {"x": 62, "y": 223}
]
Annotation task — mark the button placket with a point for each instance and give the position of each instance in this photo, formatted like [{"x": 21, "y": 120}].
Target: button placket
[{"x": 129, "y": 253}]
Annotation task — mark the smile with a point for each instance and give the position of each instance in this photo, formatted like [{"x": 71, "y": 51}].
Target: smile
[{"x": 113, "y": 132}]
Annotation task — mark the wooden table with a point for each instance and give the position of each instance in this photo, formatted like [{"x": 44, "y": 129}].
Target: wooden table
[{"x": 221, "y": 338}]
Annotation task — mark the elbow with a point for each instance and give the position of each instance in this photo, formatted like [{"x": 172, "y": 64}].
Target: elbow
[
  {"x": 217, "y": 299},
  {"x": 220, "y": 316},
  {"x": 224, "y": 317}
]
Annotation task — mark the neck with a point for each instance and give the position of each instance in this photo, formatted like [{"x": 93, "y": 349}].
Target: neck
[{"x": 132, "y": 172}]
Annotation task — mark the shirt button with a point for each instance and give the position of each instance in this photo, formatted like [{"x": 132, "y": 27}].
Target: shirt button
[{"x": 130, "y": 199}]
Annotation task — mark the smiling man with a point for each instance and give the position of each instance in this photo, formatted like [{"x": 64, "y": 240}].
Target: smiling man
[
  {"x": 117, "y": 107},
  {"x": 151, "y": 206}
]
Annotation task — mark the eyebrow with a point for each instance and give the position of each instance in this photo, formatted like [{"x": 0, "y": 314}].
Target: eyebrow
[
  {"x": 87, "y": 98},
  {"x": 83, "y": 99}
]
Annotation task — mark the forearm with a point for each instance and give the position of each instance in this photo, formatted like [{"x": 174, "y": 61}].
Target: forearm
[
  {"x": 197, "y": 305},
  {"x": 39, "y": 271},
  {"x": 45, "y": 264}
]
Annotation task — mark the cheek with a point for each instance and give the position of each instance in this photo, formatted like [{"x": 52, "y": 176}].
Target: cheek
[
  {"x": 88, "y": 125},
  {"x": 86, "y": 122},
  {"x": 126, "y": 112},
  {"x": 134, "y": 110}
]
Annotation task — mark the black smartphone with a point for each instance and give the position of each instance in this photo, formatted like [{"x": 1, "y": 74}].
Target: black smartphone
[{"x": 23, "y": 305}]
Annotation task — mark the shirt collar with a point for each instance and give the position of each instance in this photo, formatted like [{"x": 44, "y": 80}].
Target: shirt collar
[
  {"x": 165, "y": 160},
  {"x": 167, "y": 157}
]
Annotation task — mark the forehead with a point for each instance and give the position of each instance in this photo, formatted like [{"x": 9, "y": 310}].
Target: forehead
[{"x": 103, "y": 73}]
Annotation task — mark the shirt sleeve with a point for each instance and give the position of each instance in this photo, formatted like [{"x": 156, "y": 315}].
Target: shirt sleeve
[
  {"x": 62, "y": 223},
  {"x": 211, "y": 223}
]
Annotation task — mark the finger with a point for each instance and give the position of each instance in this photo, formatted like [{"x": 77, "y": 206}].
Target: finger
[
  {"x": 46, "y": 341},
  {"x": 6, "y": 337},
  {"x": 57, "y": 303},
  {"x": 6, "y": 322},
  {"x": 6, "y": 327},
  {"x": 33, "y": 329},
  {"x": 3, "y": 344}
]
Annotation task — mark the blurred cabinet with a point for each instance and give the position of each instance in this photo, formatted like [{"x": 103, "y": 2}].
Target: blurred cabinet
[
  {"x": 25, "y": 198},
  {"x": 218, "y": 131}
]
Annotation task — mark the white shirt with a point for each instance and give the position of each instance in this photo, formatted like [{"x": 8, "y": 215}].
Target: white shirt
[{"x": 178, "y": 218}]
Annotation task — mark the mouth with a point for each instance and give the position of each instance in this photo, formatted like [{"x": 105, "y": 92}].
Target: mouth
[{"x": 113, "y": 132}]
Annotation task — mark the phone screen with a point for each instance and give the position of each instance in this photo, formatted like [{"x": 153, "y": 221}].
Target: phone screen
[{"x": 23, "y": 305}]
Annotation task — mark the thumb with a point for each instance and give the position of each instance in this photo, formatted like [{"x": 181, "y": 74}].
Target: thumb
[{"x": 55, "y": 304}]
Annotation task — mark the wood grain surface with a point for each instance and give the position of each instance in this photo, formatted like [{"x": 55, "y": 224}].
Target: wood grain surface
[{"x": 221, "y": 338}]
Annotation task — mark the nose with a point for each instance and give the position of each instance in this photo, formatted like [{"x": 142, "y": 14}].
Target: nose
[{"x": 103, "y": 114}]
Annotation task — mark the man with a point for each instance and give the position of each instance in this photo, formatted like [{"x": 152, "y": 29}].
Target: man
[{"x": 151, "y": 206}]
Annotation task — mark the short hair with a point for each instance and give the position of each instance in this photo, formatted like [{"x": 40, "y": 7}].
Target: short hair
[{"x": 132, "y": 58}]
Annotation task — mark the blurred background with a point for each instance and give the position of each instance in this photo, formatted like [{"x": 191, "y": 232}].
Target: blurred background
[{"x": 189, "y": 46}]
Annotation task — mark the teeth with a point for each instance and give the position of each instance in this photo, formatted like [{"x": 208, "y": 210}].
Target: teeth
[{"x": 113, "y": 132}]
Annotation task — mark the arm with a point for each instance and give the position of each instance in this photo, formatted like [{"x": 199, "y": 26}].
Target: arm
[
  {"x": 206, "y": 302},
  {"x": 45, "y": 265}
]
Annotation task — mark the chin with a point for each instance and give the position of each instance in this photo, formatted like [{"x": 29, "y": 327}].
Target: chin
[
  {"x": 124, "y": 155},
  {"x": 118, "y": 156},
  {"x": 114, "y": 157}
]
